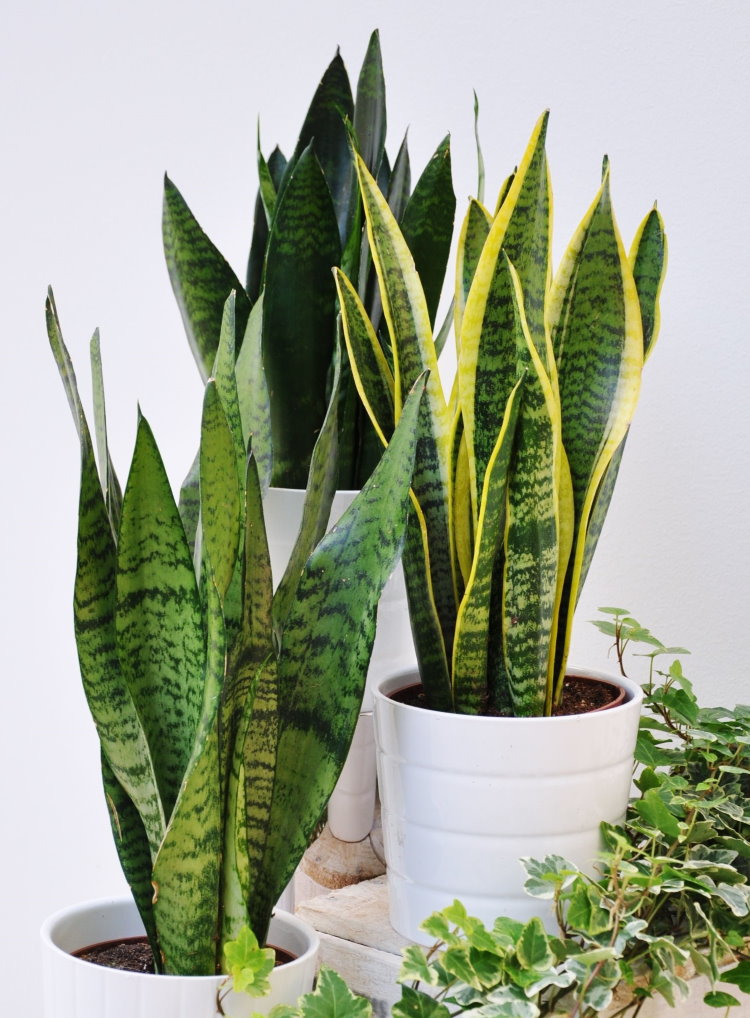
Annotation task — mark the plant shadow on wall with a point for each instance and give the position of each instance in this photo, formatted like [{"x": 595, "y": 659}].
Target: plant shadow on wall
[
  {"x": 221, "y": 741},
  {"x": 671, "y": 899}
]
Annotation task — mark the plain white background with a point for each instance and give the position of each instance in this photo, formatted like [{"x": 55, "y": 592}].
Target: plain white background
[{"x": 99, "y": 99}]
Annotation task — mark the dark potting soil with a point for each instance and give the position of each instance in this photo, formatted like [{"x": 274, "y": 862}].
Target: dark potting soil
[
  {"x": 133, "y": 954},
  {"x": 580, "y": 696}
]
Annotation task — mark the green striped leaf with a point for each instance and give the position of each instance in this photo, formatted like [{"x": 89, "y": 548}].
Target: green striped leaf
[
  {"x": 530, "y": 580},
  {"x": 324, "y": 129},
  {"x": 189, "y": 504},
  {"x": 462, "y": 520},
  {"x": 474, "y": 230},
  {"x": 407, "y": 316},
  {"x": 252, "y": 393},
  {"x": 372, "y": 374},
  {"x": 118, "y": 727},
  {"x": 480, "y": 157},
  {"x": 427, "y": 224},
  {"x": 316, "y": 512},
  {"x": 131, "y": 843},
  {"x": 487, "y": 364},
  {"x": 201, "y": 279},
  {"x": 110, "y": 483},
  {"x": 370, "y": 119},
  {"x": 473, "y": 624},
  {"x": 187, "y": 870},
  {"x": 256, "y": 259},
  {"x": 648, "y": 260},
  {"x": 595, "y": 324},
  {"x": 299, "y": 317},
  {"x": 158, "y": 618},
  {"x": 226, "y": 382},
  {"x": 326, "y": 650},
  {"x": 221, "y": 514}
]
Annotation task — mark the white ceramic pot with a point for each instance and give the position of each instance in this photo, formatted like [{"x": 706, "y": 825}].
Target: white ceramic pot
[
  {"x": 352, "y": 805},
  {"x": 463, "y": 798},
  {"x": 78, "y": 989}
]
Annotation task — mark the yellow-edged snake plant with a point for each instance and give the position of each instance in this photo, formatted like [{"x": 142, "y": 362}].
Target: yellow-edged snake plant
[{"x": 514, "y": 472}]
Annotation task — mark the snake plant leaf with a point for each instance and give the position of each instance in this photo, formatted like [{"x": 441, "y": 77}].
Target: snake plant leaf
[
  {"x": 252, "y": 393},
  {"x": 487, "y": 370},
  {"x": 530, "y": 580},
  {"x": 121, "y": 735},
  {"x": 276, "y": 164},
  {"x": 443, "y": 332},
  {"x": 474, "y": 230},
  {"x": 328, "y": 636},
  {"x": 648, "y": 260},
  {"x": 473, "y": 623},
  {"x": 370, "y": 119},
  {"x": 321, "y": 487},
  {"x": 299, "y": 317},
  {"x": 201, "y": 279},
  {"x": 219, "y": 491},
  {"x": 504, "y": 191},
  {"x": 226, "y": 382},
  {"x": 324, "y": 129},
  {"x": 462, "y": 520},
  {"x": 158, "y": 617},
  {"x": 110, "y": 483},
  {"x": 189, "y": 503},
  {"x": 399, "y": 184},
  {"x": 133, "y": 852},
  {"x": 372, "y": 374},
  {"x": 187, "y": 870},
  {"x": 407, "y": 316},
  {"x": 480, "y": 157},
  {"x": 267, "y": 189},
  {"x": 595, "y": 324},
  {"x": 427, "y": 224}
]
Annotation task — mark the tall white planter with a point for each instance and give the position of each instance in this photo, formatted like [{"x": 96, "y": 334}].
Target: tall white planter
[
  {"x": 78, "y": 989},
  {"x": 352, "y": 805},
  {"x": 464, "y": 798}
]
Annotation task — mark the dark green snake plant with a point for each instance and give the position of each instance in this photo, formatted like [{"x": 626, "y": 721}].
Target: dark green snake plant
[
  {"x": 224, "y": 712},
  {"x": 515, "y": 470},
  {"x": 308, "y": 218}
]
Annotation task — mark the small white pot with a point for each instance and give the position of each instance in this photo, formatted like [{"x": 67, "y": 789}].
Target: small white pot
[
  {"x": 79, "y": 989},
  {"x": 352, "y": 805},
  {"x": 463, "y": 798}
]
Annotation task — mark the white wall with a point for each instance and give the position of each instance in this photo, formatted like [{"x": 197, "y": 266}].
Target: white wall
[{"x": 99, "y": 99}]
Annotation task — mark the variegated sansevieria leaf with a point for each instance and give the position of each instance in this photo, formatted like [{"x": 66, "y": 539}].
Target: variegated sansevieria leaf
[
  {"x": 474, "y": 230},
  {"x": 370, "y": 120},
  {"x": 276, "y": 165},
  {"x": 521, "y": 227},
  {"x": 118, "y": 726},
  {"x": 110, "y": 484},
  {"x": 252, "y": 392},
  {"x": 299, "y": 316},
  {"x": 532, "y": 559},
  {"x": 371, "y": 372},
  {"x": 326, "y": 651},
  {"x": 487, "y": 367},
  {"x": 473, "y": 624},
  {"x": 316, "y": 511},
  {"x": 158, "y": 618},
  {"x": 462, "y": 521},
  {"x": 221, "y": 510},
  {"x": 187, "y": 870},
  {"x": 201, "y": 279},
  {"x": 595, "y": 323},
  {"x": 648, "y": 259},
  {"x": 226, "y": 382},
  {"x": 408, "y": 320}
]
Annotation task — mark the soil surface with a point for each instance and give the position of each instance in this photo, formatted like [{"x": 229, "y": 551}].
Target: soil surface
[
  {"x": 580, "y": 696},
  {"x": 133, "y": 954}
]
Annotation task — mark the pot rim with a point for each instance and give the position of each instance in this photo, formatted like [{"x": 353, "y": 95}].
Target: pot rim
[
  {"x": 80, "y": 909},
  {"x": 410, "y": 677}
]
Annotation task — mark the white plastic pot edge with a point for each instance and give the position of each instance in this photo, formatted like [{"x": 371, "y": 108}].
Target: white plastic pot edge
[{"x": 74, "y": 988}]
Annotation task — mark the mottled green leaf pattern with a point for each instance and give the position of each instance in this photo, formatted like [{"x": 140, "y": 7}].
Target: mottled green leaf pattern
[
  {"x": 110, "y": 484},
  {"x": 252, "y": 392},
  {"x": 201, "y": 279},
  {"x": 221, "y": 513},
  {"x": 648, "y": 260},
  {"x": 476, "y": 226},
  {"x": 370, "y": 118}
]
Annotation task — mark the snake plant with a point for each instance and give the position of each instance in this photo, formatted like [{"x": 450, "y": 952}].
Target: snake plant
[
  {"x": 515, "y": 471},
  {"x": 224, "y": 711},
  {"x": 308, "y": 218}
]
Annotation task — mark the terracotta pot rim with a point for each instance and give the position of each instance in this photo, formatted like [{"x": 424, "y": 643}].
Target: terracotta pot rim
[{"x": 629, "y": 691}]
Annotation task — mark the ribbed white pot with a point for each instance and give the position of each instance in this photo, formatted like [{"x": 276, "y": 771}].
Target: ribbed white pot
[
  {"x": 463, "y": 798},
  {"x": 352, "y": 805},
  {"x": 78, "y": 989}
]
